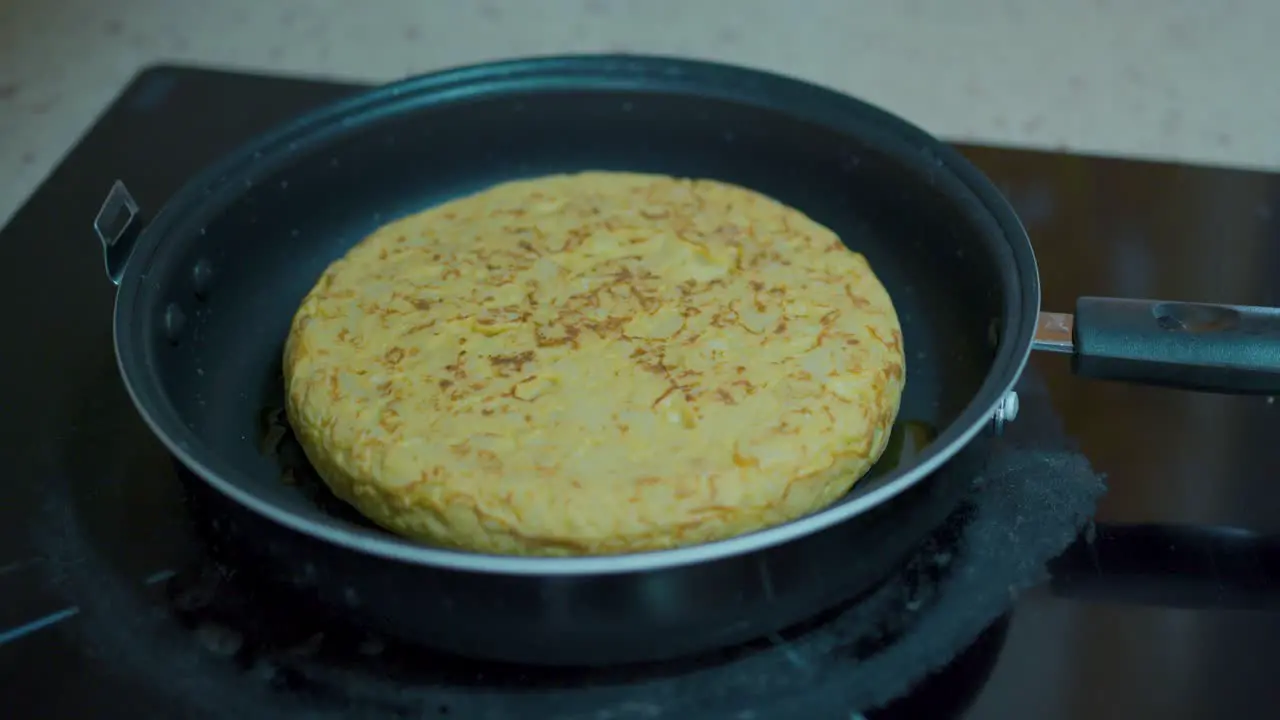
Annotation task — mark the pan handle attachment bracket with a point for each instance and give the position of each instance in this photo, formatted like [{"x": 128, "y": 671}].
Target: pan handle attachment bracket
[
  {"x": 118, "y": 224},
  {"x": 1006, "y": 412}
]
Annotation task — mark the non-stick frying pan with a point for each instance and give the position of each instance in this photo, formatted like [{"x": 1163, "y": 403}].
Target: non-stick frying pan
[{"x": 207, "y": 289}]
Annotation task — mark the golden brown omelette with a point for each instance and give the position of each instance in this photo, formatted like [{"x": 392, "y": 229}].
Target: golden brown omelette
[{"x": 594, "y": 363}]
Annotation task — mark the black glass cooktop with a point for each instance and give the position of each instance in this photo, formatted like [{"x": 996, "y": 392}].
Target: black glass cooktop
[{"x": 1170, "y": 607}]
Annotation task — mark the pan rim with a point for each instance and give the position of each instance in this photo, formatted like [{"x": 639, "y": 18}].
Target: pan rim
[{"x": 586, "y": 73}]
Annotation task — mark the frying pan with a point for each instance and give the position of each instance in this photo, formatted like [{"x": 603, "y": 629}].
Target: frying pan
[{"x": 207, "y": 288}]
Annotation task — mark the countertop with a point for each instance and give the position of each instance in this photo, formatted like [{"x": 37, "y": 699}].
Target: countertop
[{"x": 1171, "y": 79}]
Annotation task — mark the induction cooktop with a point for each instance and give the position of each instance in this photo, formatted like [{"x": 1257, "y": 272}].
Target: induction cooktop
[{"x": 1170, "y": 607}]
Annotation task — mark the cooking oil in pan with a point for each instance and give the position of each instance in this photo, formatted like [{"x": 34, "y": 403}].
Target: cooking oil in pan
[
  {"x": 278, "y": 444},
  {"x": 907, "y": 440}
]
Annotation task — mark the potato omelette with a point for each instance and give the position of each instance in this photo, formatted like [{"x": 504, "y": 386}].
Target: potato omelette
[{"x": 594, "y": 363}]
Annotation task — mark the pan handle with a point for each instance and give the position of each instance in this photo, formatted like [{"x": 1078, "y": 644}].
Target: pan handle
[
  {"x": 1193, "y": 346},
  {"x": 117, "y": 225}
]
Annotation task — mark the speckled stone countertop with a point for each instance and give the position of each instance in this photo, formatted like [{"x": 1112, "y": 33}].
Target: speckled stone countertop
[{"x": 1176, "y": 79}]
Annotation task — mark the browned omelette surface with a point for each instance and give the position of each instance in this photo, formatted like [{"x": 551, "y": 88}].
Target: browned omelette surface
[{"x": 594, "y": 363}]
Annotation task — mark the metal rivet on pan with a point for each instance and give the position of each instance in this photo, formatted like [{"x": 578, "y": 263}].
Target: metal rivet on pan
[
  {"x": 1006, "y": 412},
  {"x": 174, "y": 321},
  {"x": 202, "y": 278}
]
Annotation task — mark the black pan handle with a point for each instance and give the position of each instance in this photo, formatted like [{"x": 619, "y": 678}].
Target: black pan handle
[
  {"x": 1193, "y": 346},
  {"x": 117, "y": 225}
]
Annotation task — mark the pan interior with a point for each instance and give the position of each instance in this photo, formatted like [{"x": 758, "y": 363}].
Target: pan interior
[{"x": 236, "y": 264}]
